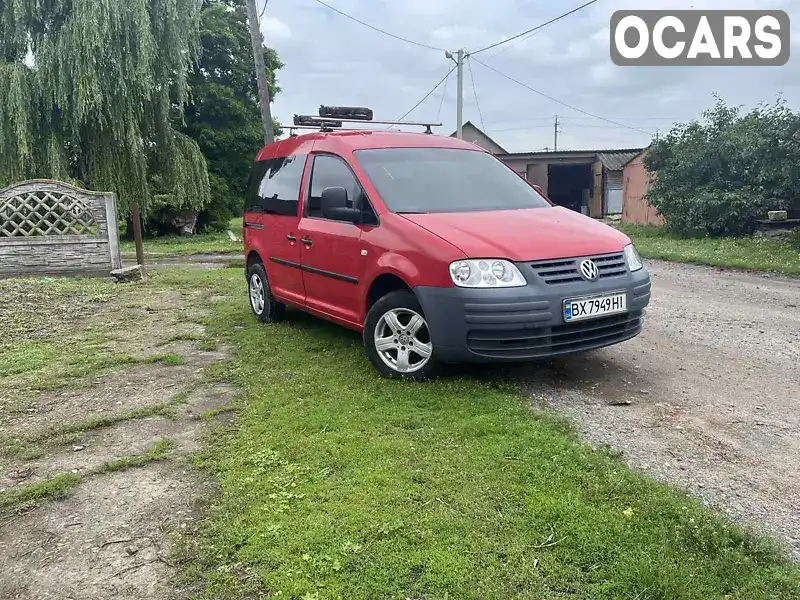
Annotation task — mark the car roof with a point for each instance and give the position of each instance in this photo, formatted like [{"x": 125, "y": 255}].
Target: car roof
[{"x": 363, "y": 140}]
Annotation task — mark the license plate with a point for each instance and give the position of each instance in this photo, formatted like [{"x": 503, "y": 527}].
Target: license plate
[{"x": 591, "y": 307}]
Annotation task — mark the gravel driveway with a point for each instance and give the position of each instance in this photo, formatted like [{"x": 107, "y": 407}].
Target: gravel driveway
[{"x": 707, "y": 397}]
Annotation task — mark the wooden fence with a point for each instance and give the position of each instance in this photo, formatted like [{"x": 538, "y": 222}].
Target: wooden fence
[{"x": 53, "y": 228}]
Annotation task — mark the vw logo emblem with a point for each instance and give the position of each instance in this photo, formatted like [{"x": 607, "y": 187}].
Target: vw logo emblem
[{"x": 589, "y": 270}]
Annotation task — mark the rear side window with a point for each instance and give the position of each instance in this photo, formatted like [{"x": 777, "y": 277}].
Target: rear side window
[{"x": 275, "y": 186}]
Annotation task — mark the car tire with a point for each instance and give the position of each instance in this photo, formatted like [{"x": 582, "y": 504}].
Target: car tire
[
  {"x": 397, "y": 339},
  {"x": 263, "y": 304}
]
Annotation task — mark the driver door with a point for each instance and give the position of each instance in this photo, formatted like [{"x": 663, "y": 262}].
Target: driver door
[{"x": 331, "y": 251}]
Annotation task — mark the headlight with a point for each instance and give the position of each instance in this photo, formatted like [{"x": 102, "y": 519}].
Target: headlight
[
  {"x": 486, "y": 273},
  {"x": 633, "y": 258}
]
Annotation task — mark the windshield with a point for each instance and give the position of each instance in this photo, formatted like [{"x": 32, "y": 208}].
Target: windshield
[{"x": 439, "y": 180}]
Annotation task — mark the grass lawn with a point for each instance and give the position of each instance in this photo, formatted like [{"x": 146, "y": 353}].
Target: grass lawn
[
  {"x": 172, "y": 245},
  {"x": 757, "y": 254},
  {"x": 335, "y": 483}
]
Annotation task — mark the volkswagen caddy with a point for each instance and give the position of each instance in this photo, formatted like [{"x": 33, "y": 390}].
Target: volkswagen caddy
[{"x": 435, "y": 250}]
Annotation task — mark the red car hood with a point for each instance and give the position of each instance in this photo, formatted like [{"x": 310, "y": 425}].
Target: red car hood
[{"x": 522, "y": 235}]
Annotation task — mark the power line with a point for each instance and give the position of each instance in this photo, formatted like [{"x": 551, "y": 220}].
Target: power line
[
  {"x": 475, "y": 91},
  {"x": 556, "y": 100},
  {"x": 263, "y": 10},
  {"x": 579, "y": 117},
  {"x": 582, "y": 126},
  {"x": 444, "y": 93},
  {"x": 537, "y": 28},
  {"x": 397, "y": 37},
  {"x": 548, "y": 126},
  {"x": 426, "y": 96}
]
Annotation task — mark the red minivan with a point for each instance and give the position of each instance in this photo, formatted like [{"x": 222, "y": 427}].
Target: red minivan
[{"x": 434, "y": 249}]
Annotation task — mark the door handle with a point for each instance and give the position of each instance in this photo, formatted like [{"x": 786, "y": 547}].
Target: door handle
[
  {"x": 291, "y": 238},
  {"x": 307, "y": 242}
]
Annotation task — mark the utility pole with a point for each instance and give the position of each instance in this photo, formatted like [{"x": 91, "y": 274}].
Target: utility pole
[
  {"x": 460, "y": 95},
  {"x": 459, "y": 60},
  {"x": 261, "y": 71},
  {"x": 555, "y": 135}
]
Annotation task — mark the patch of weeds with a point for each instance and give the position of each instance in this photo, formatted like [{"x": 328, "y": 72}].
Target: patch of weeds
[
  {"x": 186, "y": 337},
  {"x": 158, "y": 451},
  {"x": 19, "y": 448},
  {"x": 168, "y": 360},
  {"x": 58, "y": 488},
  {"x": 214, "y": 413},
  {"x": 68, "y": 299},
  {"x": 179, "y": 397},
  {"x": 38, "y": 365},
  {"x": 30, "y": 452},
  {"x": 30, "y": 447},
  {"x": 163, "y": 410},
  {"x": 208, "y": 345}
]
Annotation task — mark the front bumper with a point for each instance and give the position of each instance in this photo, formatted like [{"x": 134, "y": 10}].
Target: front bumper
[{"x": 525, "y": 323}]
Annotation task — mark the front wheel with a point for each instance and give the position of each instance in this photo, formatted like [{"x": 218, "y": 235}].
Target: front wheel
[{"x": 397, "y": 339}]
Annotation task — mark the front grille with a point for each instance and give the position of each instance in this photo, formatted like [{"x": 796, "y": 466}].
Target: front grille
[
  {"x": 566, "y": 270},
  {"x": 568, "y": 338}
]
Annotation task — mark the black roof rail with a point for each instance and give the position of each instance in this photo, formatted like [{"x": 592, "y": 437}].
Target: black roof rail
[{"x": 333, "y": 117}]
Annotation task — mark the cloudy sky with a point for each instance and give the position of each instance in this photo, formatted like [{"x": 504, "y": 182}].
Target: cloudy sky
[{"x": 333, "y": 60}]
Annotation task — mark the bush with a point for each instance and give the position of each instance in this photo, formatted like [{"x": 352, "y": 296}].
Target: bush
[
  {"x": 223, "y": 207},
  {"x": 714, "y": 212},
  {"x": 720, "y": 176}
]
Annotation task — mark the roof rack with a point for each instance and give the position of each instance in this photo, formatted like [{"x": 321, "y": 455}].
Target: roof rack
[{"x": 332, "y": 117}]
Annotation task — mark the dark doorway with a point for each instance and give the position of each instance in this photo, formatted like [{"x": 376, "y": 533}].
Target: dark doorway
[{"x": 570, "y": 185}]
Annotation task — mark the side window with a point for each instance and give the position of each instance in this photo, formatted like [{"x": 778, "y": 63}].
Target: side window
[
  {"x": 253, "y": 202},
  {"x": 330, "y": 171},
  {"x": 275, "y": 186}
]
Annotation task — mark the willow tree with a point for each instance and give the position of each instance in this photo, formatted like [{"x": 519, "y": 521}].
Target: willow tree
[{"x": 90, "y": 91}]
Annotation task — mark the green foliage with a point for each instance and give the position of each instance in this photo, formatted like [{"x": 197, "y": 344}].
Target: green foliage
[
  {"x": 223, "y": 116},
  {"x": 719, "y": 176},
  {"x": 216, "y": 242},
  {"x": 89, "y": 91}
]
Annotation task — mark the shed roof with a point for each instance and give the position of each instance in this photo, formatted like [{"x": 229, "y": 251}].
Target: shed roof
[{"x": 614, "y": 160}]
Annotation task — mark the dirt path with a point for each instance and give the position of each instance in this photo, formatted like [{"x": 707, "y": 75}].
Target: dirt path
[
  {"x": 116, "y": 441},
  {"x": 188, "y": 261},
  {"x": 714, "y": 389}
]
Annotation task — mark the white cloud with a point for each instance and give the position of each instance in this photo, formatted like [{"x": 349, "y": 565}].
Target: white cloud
[
  {"x": 605, "y": 74},
  {"x": 458, "y": 36},
  {"x": 274, "y": 30}
]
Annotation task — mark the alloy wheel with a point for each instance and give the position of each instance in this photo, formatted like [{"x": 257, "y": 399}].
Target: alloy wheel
[
  {"x": 257, "y": 299},
  {"x": 403, "y": 341}
]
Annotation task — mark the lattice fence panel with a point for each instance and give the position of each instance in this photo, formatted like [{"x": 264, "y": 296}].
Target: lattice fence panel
[
  {"x": 52, "y": 227},
  {"x": 42, "y": 213}
]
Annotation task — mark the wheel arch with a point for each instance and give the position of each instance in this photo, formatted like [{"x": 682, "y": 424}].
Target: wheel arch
[
  {"x": 253, "y": 258},
  {"x": 385, "y": 283}
]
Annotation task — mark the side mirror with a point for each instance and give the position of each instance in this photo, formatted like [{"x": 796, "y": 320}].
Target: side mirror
[{"x": 334, "y": 205}]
